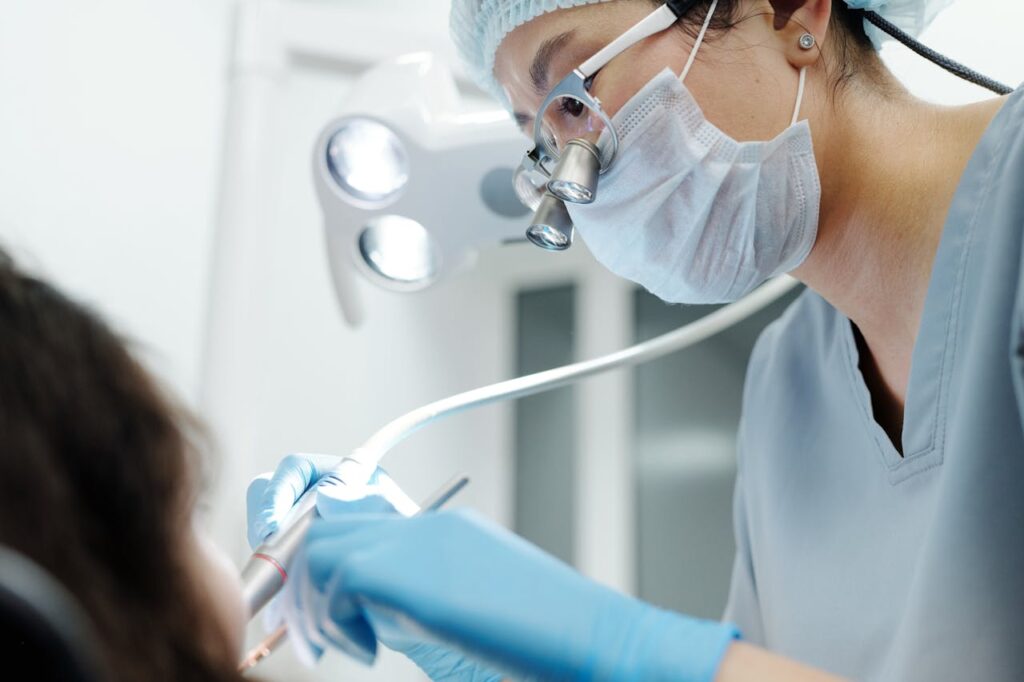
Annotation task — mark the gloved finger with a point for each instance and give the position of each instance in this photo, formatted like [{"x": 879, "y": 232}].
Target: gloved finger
[
  {"x": 441, "y": 663},
  {"x": 380, "y": 494},
  {"x": 397, "y": 629},
  {"x": 294, "y": 475},
  {"x": 253, "y": 495},
  {"x": 330, "y": 504},
  {"x": 331, "y": 546},
  {"x": 319, "y": 626},
  {"x": 390, "y": 491},
  {"x": 344, "y": 625},
  {"x": 339, "y": 526},
  {"x": 301, "y": 631},
  {"x": 273, "y": 613}
]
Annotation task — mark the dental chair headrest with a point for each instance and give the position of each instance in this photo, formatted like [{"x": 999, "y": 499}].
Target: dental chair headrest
[{"x": 43, "y": 632}]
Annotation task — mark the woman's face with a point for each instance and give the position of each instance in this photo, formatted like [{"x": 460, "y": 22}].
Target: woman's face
[
  {"x": 744, "y": 78},
  {"x": 219, "y": 584}
]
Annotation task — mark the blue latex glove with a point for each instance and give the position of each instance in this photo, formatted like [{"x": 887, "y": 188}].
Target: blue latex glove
[
  {"x": 456, "y": 578},
  {"x": 271, "y": 496},
  {"x": 268, "y": 500}
]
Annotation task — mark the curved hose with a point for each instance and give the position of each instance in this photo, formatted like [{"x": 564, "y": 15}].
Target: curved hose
[
  {"x": 266, "y": 571},
  {"x": 395, "y": 432}
]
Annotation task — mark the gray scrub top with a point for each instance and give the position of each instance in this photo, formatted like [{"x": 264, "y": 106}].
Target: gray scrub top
[{"x": 855, "y": 559}]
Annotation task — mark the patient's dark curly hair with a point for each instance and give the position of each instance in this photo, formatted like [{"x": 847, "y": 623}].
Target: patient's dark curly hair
[{"x": 97, "y": 485}]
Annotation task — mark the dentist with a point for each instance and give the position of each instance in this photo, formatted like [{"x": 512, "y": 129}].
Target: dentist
[{"x": 878, "y": 513}]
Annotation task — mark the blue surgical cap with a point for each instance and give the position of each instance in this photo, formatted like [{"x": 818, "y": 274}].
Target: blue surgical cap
[{"x": 479, "y": 26}]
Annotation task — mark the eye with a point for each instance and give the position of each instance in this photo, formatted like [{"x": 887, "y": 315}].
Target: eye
[{"x": 571, "y": 107}]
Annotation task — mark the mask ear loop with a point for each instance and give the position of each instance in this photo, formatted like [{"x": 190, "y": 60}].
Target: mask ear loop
[
  {"x": 700, "y": 39},
  {"x": 799, "y": 95}
]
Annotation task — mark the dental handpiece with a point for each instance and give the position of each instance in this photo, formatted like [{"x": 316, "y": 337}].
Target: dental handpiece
[
  {"x": 266, "y": 572},
  {"x": 275, "y": 639}
]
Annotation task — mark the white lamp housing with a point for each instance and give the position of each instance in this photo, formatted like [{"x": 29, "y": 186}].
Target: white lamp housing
[{"x": 412, "y": 181}]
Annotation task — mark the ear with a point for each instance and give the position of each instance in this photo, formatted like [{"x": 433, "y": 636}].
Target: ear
[{"x": 794, "y": 18}]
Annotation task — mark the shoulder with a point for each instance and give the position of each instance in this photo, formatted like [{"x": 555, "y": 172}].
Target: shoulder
[
  {"x": 1012, "y": 116},
  {"x": 791, "y": 345},
  {"x": 795, "y": 367},
  {"x": 999, "y": 205},
  {"x": 1003, "y": 145}
]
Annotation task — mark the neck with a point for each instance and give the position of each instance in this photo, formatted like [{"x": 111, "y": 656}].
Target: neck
[{"x": 890, "y": 165}]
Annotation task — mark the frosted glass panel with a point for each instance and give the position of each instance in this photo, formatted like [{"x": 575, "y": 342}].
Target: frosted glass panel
[
  {"x": 545, "y": 440},
  {"x": 687, "y": 409}
]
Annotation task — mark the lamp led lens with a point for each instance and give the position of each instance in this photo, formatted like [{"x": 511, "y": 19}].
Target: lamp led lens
[
  {"x": 367, "y": 161},
  {"x": 400, "y": 250}
]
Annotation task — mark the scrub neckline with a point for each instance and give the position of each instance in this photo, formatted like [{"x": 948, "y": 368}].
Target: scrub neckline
[{"x": 934, "y": 355}]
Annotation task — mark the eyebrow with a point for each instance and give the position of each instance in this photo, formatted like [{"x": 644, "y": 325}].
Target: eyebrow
[
  {"x": 542, "y": 61},
  {"x": 540, "y": 68}
]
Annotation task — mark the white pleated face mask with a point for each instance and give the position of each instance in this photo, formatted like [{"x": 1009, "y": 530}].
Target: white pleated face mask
[{"x": 691, "y": 214}]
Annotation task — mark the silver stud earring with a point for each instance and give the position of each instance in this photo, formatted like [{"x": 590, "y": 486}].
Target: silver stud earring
[{"x": 807, "y": 41}]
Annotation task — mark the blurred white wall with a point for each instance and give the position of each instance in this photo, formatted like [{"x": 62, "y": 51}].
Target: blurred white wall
[
  {"x": 110, "y": 145},
  {"x": 981, "y": 34}
]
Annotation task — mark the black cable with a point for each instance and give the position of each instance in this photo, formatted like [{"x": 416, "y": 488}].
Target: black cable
[
  {"x": 955, "y": 68},
  {"x": 681, "y": 7}
]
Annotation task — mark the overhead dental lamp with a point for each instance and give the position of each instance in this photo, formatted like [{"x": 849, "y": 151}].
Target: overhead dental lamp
[{"x": 414, "y": 180}]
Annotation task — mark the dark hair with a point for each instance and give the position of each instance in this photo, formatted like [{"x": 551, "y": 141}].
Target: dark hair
[
  {"x": 854, "y": 51},
  {"x": 97, "y": 481}
]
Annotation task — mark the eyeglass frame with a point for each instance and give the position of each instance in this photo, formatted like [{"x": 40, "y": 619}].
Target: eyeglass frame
[{"x": 576, "y": 85}]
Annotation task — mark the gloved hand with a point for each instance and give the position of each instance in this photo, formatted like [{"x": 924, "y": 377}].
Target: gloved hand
[
  {"x": 456, "y": 578},
  {"x": 270, "y": 497},
  {"x": 268, "y": 500}
]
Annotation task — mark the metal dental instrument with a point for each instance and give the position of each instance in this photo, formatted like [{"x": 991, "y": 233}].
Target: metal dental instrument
[
  {"x": 266, "y": 571},
  {"x": 437, "y": 500},
  {"x": 443, "y": 494},
  {"x": 263, "y": 649}
]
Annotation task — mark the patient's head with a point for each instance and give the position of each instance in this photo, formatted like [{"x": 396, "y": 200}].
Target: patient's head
[{"x": 98, "y": 480}]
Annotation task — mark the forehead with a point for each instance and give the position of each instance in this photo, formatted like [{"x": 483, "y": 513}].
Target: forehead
[
  {"x": 543, "y": 50},
  {"x": 545, "y": 38}
]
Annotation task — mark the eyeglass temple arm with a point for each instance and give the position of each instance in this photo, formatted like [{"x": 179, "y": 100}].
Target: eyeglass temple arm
[{"x": 655, "y": 22}]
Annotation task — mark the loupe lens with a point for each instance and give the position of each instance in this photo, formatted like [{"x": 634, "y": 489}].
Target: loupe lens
[
  {"x": 571, "y": 191},
  {"x": 530, "y": 186},
  {"x": 548, "y": 238},
  {"x": 551, "y": 227},
  {"x": 575, "y": 177}
]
